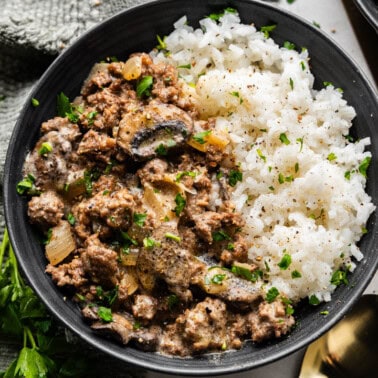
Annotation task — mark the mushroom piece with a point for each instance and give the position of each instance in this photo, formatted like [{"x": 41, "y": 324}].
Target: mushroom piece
[{"x": 153, "y": 130}]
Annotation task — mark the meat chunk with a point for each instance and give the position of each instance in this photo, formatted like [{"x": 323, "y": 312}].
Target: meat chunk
[
  {"x": 100, "y": 264},
  {"x": 99, "y": 77},
  {"x": 70, "y": 274},
  {"x": 270, "y": 321},
  {"x": 153, "y": 171},
  {"x": 96, "y": 144},
  {"x": 46, "y": 210},
  {"x": 202, "y": 328},
  {"x": 145, "y": 306}
]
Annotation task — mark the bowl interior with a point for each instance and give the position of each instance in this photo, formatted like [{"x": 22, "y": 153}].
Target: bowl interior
[{"x": 136, "y": 30}]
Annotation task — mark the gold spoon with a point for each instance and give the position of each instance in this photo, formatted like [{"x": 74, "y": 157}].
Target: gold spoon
[{"x": 349, "y": 349}]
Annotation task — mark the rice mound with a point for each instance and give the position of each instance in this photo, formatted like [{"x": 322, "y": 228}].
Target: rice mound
[{"x": 302, "y": 193}]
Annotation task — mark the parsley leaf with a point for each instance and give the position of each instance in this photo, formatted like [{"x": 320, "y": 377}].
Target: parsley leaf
[
  {"x": 45, "y": 148},
  {"x": 339, "y": 277},
  {"x": 105, "y": 314},
  {"x": 234, "y": 176},
  {"x": 139, "y": 219},
  {"x": 285, "y": 262},
  {"x": 267, "y": 29},
  {"x": 200, "y": 137},
  {"x": 284, "y": 139},
  {"x": 180, "y": 204},
  {"x": 313, "y": 300},
  {"x": 272, "y": 294},
  {"x": 144, "y": 86},
  {"x": 364, "y": 166},
  {"x": 34, "y": 102},
  {"x": 220, "y": 235},
  {"x": 289, "y": 45}
]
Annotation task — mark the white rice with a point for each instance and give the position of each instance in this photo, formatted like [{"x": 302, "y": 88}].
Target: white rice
[{"x": 258, "y": 91}]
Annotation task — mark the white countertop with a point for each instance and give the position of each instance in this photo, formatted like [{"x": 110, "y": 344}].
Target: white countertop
[{"x": 342, "y": 21}]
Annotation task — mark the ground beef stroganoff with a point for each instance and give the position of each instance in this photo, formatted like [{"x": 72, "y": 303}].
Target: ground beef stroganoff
[{"x": 190, "y": 197}]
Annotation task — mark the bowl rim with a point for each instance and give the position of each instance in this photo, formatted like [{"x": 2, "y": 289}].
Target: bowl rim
[{"x": 184, "y": 370}]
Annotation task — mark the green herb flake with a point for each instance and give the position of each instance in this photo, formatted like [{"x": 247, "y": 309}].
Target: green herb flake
[
  {"x": 128, "y": 239},
  {"x": 267, "y": 267},
  {"x": 71, "y": 219},
  {"x": 347, "y": 175},
  {"x": 284, "y": 139},
  {"x": 290, "y": 1},
  {"x": 149, "y": 243},
  {"x": 91, "y": 117},
  {"x": 144, "y": 86},
  {"x": 180, "y": 175},
  {"x": 246, "y": 273},
  {"x": 220, "y": 236},
  {"x": 230, "y": 247},
  {"x": 48, "y": 236},
  {"x": 313, "y": 300},
  {"x": 331, "y": 156},
  {"x": 303, "y": 66},
  {"x": 217, "y": 279},
  {"x": 327, "y": 83},
  {"x": 217, "y": 16},
  {"x": 261, "y": 155},
  {"x": 316, "y": 24},
  {"x": 161, "y": 43},
  {"x": 300, "y": 141},
  {"x": 45, "y": 148},
  {"x": 295, "y": 274},
  {"x": 339, "y": 277},
  {"x": 234, "y": 177},
  {"x": 161, "y": 150},
  {"x": 272, "y": 294},
  {"x": 289, "y": 45},
  {"x": 139, "y": 219},
  {"x": 296, "y": 167},
  {"x": 364, "y": 165},
  {"x": 137, "y": 325},
  {"x": 34, "y": 102},
  {"x": 180, "y": 204},
  {"x": 267, "y": 29},
  {"x": 105, "y": 314},
  {"x": 326, "y": 312},
  {"x": 285, "y": 262},
  {"x": 281, "y": 178},
  {"x": 188, "y": 66},
  {"x": 291, "y": 82},
  {"x": 174, "y": 237},
  {"x": 25, "y": 185},
  {"x": 200, "y": 137}
]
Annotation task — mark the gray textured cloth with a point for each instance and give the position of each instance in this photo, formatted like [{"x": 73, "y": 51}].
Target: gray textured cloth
[{"x": 32, "y": 34}]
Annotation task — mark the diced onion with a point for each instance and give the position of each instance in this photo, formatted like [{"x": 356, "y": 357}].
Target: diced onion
[
  {"x": 129, "y": 259},
  {"x": 147, "y": 280},
  {"x": 213, "y": 139},
  {"x": 132, "y": 69},
  {"x": 61, "y": 243},
  {"x": 130, "y": 281}
]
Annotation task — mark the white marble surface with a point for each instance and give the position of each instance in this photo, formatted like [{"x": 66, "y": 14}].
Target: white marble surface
[{"x": 345, "y": 25}]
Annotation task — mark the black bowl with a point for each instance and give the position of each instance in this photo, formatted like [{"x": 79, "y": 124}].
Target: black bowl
[{"x": 135, "y": 30}]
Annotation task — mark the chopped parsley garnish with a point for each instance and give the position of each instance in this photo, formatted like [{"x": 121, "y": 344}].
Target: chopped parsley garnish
[
  {"x": 339, "y": 277},
  {"x": 296, "y": 167},
  {"x": 303, "y": 65},
  {"x": 234, "y": 176},
  {"x": 174, "y": 237},
  {"x": 316, "y": 24},
  {"x": 150, "y": 243},
  {"x": 220, "y": 236},
  {"x": 313, "y": 300},
  {"x": 91, "y": 117},
  {"x": 217, "y": 279},
  {"x": 71, "y": 219},
  {"x": 272, "y": 294},
  {"x": 347, "y": 175},
  {"x": 327, "y": 83},
  {"x": 48, "y": 236},
  {"x": 217, "y": 16},
  {"x": 260, "y": 154},
  {"x": 26, "y": 184},
  {"x": 290, "y": 1},
  {"x": 46, "y": 147},
  {"x": 180, "y": 204},
  {"x": 188, "y": 66},
  {"x": 267, "y": 29},
  {"x": 89, "y": 177},
  {"x": 300, "y": 141},
  {"x": 180, "y": 175},
  {"x": 331, "y": 156},
  {"x": 66, "y": 109},
  {"x": 364, "y": 166},
  {"x": 161, "y": 150},
  {"x": 144, "y": 86},
  {"x": 267, "y": 267},
  {"x": 105, "y": 314},
  {"x": 109, "y": 166},
  {"x": 291, "y": 82},
  {"x": 289, "y": 45},
  {"x": 236, "y": 94},
  {"x": 126, "y": 237},
  {"x": 34, "y": 102},
  {"x": 284, "y": 139},
  {"x": 295, "y": 274},
  {"x": 230, "y": 246},
  {"x": 161, "y": 43},
  {"x": 326, "y": 312},
  {"x": 285, "y": 262},
  {"x": 139, "y": 219},
  {"x": 200, "y": 137},
  {"x": 136, "y": 325},
  {"x": 246, "y": 273},
  {"x": 281, "y": 178}
]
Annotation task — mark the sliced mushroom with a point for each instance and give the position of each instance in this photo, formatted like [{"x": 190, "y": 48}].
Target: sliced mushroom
[{"x": 153, "y": 130}]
